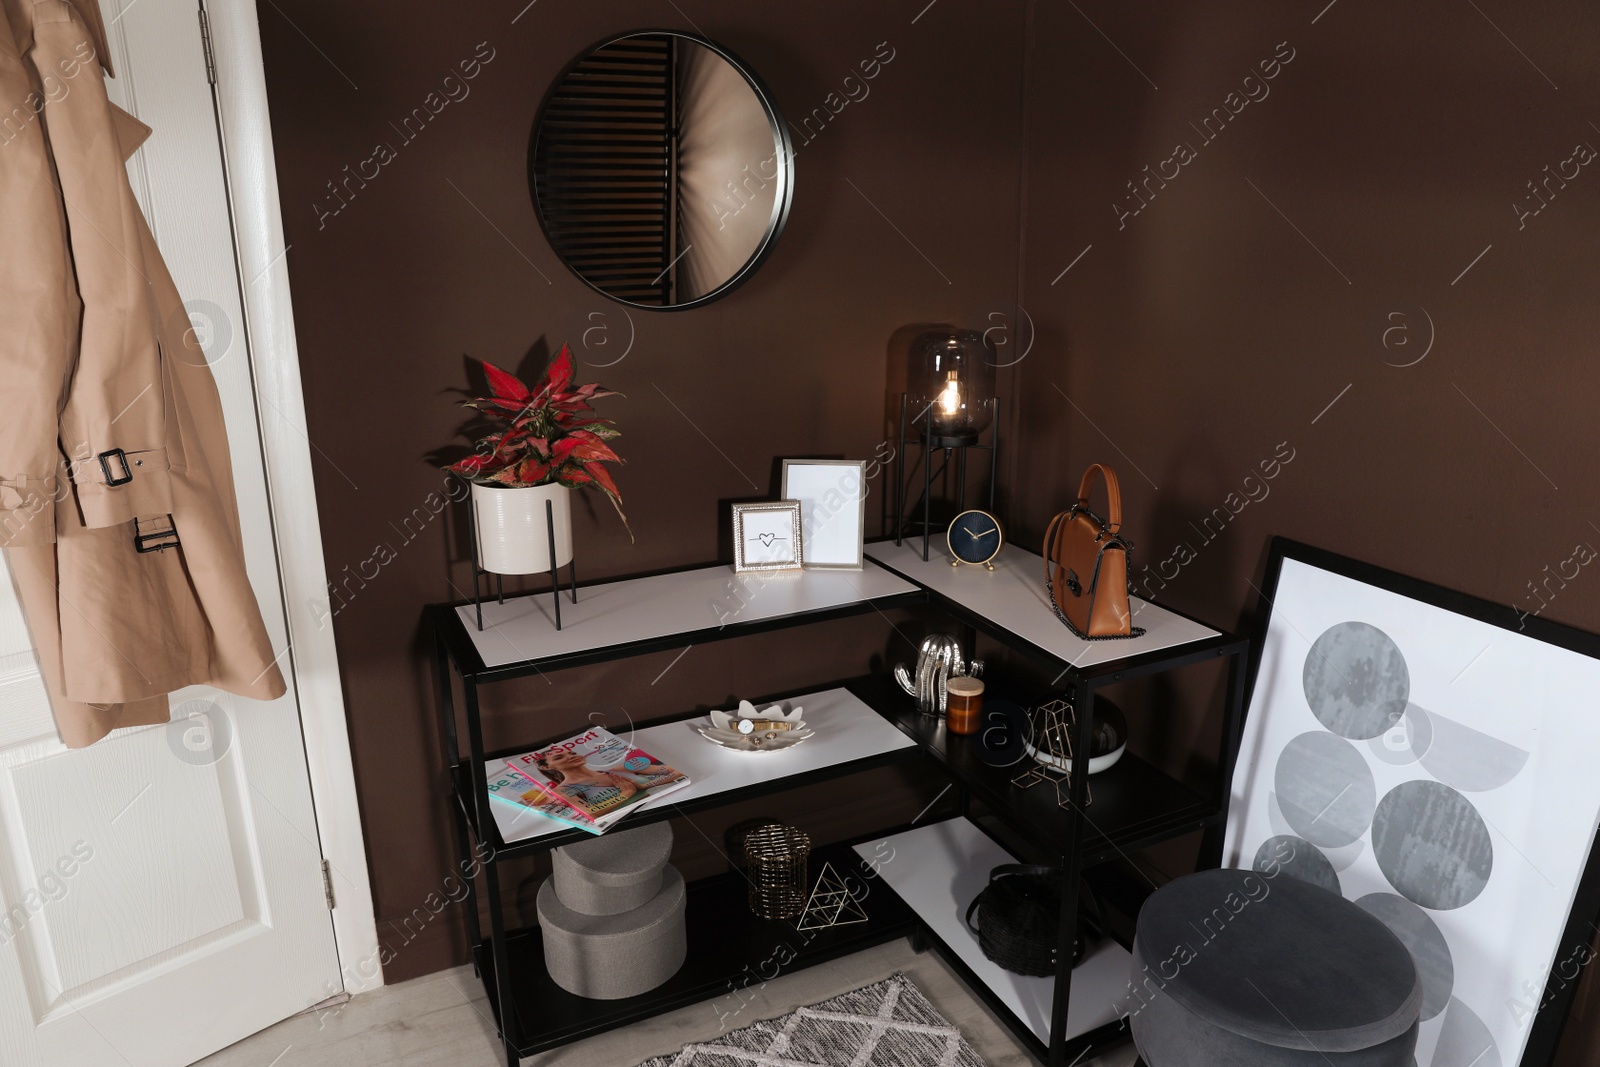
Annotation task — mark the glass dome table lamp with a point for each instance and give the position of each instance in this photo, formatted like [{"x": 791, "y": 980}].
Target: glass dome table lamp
[
  {"x": 948, "y": 404},
  {"x": 950, "y": 386}
]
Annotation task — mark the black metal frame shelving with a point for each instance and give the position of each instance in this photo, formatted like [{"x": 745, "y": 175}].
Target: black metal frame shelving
[{"x": 1135, "y": 805}]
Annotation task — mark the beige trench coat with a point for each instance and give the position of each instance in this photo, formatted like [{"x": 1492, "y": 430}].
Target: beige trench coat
[{"x": 110, "y": 424}]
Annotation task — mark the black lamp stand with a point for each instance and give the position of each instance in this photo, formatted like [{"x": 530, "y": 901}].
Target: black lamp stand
[{"x": 921, "y": 426}]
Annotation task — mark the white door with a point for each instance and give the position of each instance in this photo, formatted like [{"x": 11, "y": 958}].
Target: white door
[{"x": 163, "y": 889}]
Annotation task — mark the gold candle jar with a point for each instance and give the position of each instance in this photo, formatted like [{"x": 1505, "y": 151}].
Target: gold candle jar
[{"x": 965, "y": 705}]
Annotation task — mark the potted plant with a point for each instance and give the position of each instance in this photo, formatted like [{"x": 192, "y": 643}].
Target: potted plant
[{"x": 547, "y": 443}]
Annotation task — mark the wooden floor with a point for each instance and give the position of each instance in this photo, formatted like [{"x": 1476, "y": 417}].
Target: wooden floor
[{"x": 442, "y": 1020}]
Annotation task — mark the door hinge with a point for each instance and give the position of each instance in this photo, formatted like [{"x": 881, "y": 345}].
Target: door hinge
[
  {"x": 327, "y": 884},
  {"x": 205, "y": 43}
]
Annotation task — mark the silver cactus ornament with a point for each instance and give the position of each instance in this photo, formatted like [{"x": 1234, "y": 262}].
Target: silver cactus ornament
[{"x": 938, "y": 660}]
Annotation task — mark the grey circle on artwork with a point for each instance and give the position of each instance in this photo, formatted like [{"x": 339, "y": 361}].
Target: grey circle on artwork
[
  {"x": 1356, "y": 680},
  {"x": 1424, "y": 940},
  {"x": 1464, "y": 1040},
  {"x": 1325, "y": 789},
  {"x": 1432, "y": 845},
  {"x": 1298, "y": 858},
  {"x": 1406, "y": 741}
]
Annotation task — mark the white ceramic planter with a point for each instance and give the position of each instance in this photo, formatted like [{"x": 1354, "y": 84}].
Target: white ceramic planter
[{"x": 513, "y": 536}]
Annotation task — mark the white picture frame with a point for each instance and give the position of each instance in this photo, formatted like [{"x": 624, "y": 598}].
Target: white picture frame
[
  {"x": 768, "y": 536},
  {"x": 833, "y": 510}
]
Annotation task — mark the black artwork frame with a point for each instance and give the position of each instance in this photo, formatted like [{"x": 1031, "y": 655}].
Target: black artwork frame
[{"x": 1575, "y": 948}]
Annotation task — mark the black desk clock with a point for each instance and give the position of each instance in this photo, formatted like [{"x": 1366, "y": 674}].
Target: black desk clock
[{"x": 975, "y": 538}]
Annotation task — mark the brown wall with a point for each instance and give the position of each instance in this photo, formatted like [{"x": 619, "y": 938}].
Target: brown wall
[
  {"x": 1197, "y": 336},
  {"x": 441, "y": 257},
  {"x": 1315, "y": 244},
  {"x": 1211, "y": 328}
]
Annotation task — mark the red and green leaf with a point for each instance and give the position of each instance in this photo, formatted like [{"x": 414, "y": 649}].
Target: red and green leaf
[
  {"x": 558, "y": 376},
  {"x": 532, "y": 471},
  {"x": 505, "y": 386},
  {"x": 550, "y": 433},
  {"x": 469, "y": 467}
]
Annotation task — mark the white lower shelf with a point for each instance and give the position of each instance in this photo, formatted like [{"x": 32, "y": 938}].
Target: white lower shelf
[
  {"x": 937, "y": 870},
  {"x": 846, "y": 729}
]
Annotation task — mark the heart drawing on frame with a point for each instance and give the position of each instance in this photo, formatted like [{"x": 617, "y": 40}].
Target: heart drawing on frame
[{"x": 767, "y": 536}]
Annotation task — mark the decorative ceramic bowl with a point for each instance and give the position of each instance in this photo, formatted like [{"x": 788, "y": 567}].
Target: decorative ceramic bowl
[
  {"x": 730, "y": 720},
  {"x": 764, "y": 741},
  {"x": 749, "y": 730}
]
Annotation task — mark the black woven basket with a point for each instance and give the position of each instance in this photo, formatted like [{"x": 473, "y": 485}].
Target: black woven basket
[{"x": 1019, "y": 919}]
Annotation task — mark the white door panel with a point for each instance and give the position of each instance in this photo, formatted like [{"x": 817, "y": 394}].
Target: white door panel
[{"x": 161, "y": 892}]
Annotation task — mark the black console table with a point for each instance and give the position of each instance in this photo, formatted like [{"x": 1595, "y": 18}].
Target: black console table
[{"x": 1135, "y": 804}]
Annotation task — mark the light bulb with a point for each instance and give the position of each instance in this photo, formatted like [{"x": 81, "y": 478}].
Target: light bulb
[{"x": 950, "y": 398}]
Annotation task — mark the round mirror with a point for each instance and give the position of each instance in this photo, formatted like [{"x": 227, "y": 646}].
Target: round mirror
[{"x": 661, "y": 170}]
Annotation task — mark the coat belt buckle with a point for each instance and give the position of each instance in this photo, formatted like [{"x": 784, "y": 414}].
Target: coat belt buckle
[
  {"x": 105, "y": 467},
  {"x": 157, "y": 540}
]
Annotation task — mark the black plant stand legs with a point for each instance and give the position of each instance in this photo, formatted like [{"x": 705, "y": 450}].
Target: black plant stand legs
[
  {"x": 500, "y": 590},
  {"x": 555, "y": 575}
]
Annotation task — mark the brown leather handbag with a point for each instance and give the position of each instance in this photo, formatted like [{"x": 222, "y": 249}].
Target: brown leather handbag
[{"x": 1086, "y": 564}]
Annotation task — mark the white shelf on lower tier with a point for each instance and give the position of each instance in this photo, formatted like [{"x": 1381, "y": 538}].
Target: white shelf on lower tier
[
  {"x": 937, "y": 870},
  {"x": 846, "y": 730}
]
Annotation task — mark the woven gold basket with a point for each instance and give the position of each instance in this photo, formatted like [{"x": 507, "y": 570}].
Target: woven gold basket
[{"x": 775, "y": 859}]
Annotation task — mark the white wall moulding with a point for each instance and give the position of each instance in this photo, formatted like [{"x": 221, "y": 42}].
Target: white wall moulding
[{"x": 313, "y": 667}]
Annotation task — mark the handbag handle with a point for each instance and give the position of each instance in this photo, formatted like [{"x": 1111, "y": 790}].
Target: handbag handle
[
  {"x": 1041, "y": 872},
  {"x": 1050, "y": 543},
  {"x": 1011, "y": 868},
  {"x": 1034, "y": 869},
  {"x": 1113, "y": 491},
  {"x": 1085, "y": 487}
]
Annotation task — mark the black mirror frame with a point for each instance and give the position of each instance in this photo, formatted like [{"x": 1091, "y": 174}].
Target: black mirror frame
[{"x": 784, "y": 150}]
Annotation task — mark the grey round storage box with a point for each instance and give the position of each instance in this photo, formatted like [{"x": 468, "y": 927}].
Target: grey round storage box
[
  {"x": 609, "y": 957},
  {"x": 1241, "y": 968},
  {"x": 613, "y": 873}
]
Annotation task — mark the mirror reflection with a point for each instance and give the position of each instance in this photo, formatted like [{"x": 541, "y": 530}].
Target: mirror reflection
[{"x": 661, "y": 170}]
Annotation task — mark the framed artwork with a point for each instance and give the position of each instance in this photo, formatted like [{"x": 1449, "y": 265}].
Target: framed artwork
[
  {"x": 833, "y": 509},
  {"x": 1430, "y": 756},
  {"x": 767, "y": 536}
]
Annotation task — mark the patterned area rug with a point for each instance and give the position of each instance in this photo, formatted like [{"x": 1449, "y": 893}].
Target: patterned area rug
[{"x": 886, "y": 1024}]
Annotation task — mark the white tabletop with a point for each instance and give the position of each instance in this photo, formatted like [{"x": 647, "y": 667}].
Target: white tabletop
[
  {"x": 937, "y": 869},
  {"x": 663, "y": 605},
  {"x": 1013, "y": 597},
  {"x": 846, "y": 730}
]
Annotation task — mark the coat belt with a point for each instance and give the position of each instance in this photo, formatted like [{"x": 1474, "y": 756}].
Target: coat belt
[{"x": 115, "y": 487}]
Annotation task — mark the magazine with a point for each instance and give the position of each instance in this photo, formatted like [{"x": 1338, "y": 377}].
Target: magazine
[
  {"x": 514, "y": 787},
  {"x": 591, "y": 780}
]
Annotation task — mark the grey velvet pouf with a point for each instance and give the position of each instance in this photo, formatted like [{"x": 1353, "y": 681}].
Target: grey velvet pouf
[
  {"x": 614, "y": 873},
  {"x": 1239, "y": 967},
  {"x": 608, "y": 957}
]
